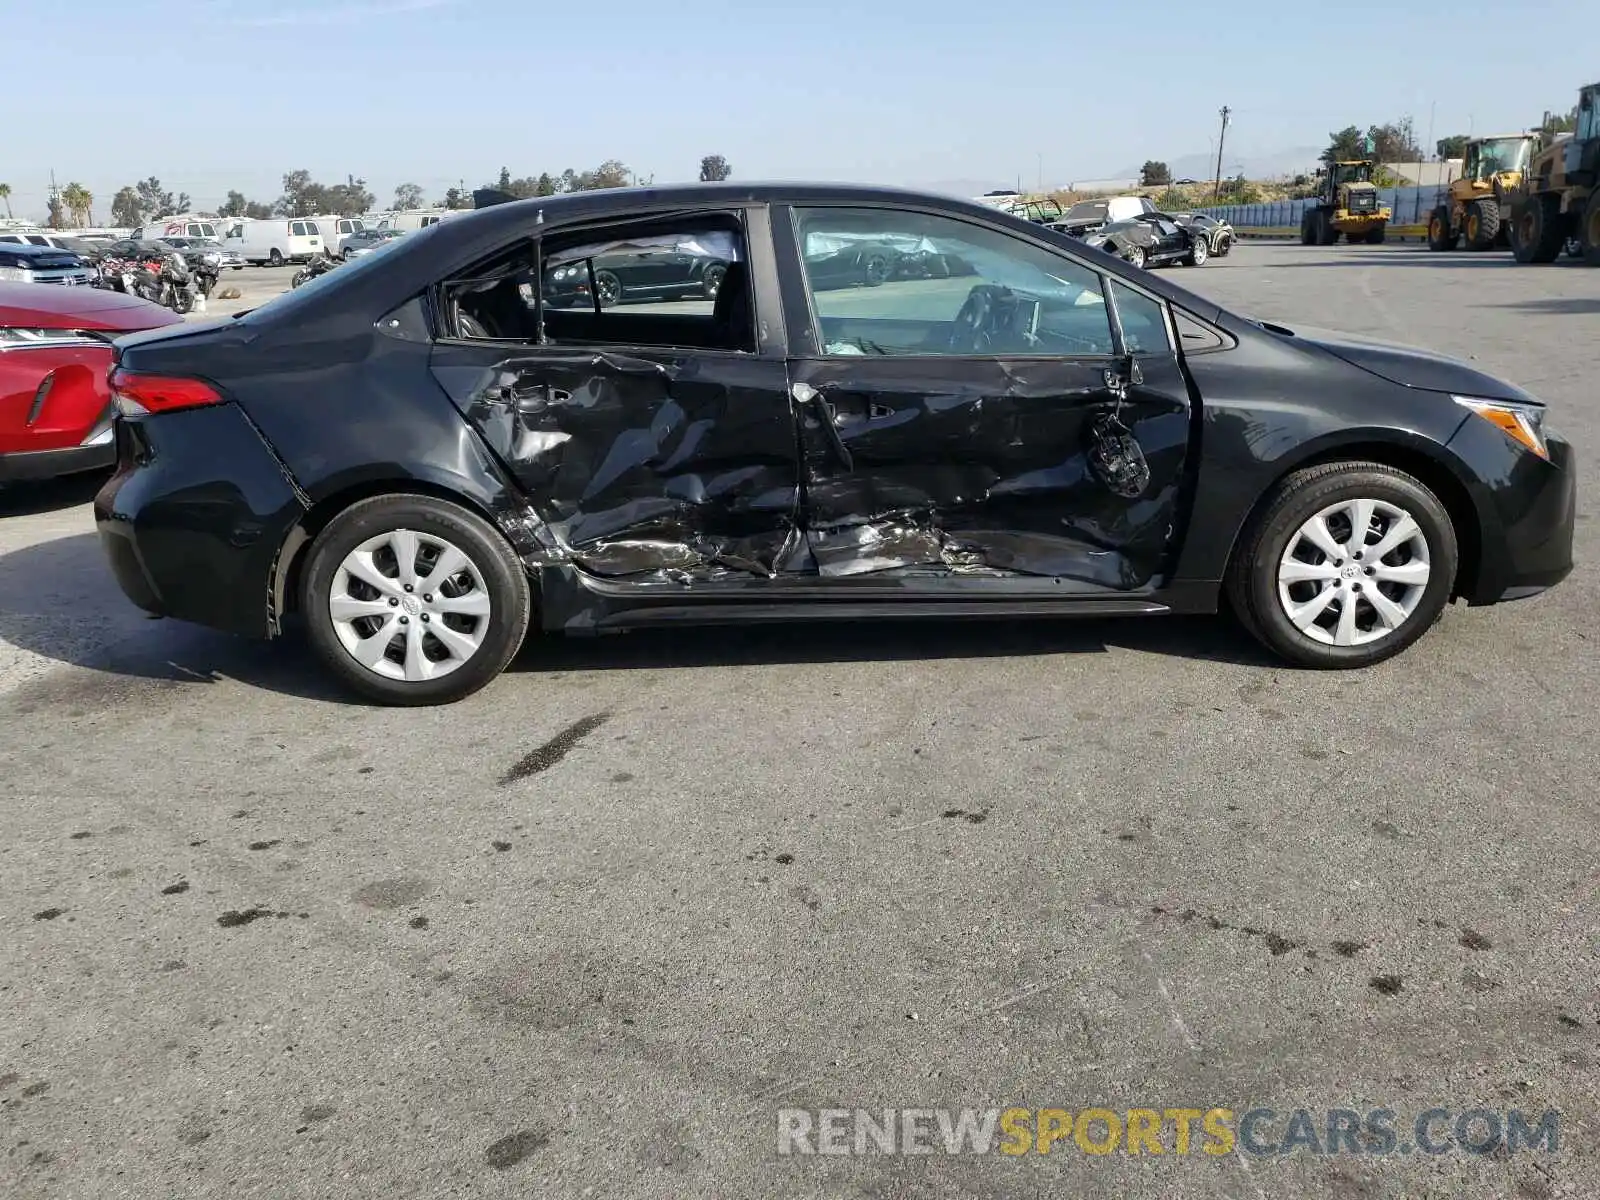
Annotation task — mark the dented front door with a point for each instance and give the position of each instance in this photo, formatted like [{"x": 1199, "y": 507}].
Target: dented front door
[{"x": 642, "y": 464}]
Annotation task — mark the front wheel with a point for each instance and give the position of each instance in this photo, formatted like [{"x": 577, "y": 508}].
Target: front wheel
[
  {"x": 1135, "y": 256},
  {"x": 411, "y": 600},
  {"x": 275, "y": 259},
  {"x": 1439, "y": 235},
  {"x": 1589, "y": 238},
  {"x": 1345, "y": 565},
  {"x": 1199, "y": 252}
]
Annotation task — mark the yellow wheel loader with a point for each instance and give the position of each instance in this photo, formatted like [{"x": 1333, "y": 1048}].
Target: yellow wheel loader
[
  {"x": 1559, "y": 202},
  {"x": 1478, "y": 206},
  {"x": 1347, "y": 204}
]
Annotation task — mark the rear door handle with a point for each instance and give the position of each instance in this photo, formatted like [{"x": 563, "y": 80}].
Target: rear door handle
[{"x": 808, "y": 397}]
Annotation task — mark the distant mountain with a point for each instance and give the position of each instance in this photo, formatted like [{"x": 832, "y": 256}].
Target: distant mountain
[{"x": 1293, "y": 161}]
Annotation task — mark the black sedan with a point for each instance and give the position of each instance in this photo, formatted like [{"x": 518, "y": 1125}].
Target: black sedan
[
  {"x": 665, "y": 272},
  {"x": 421, "y": 459},
  {"x": 1152, "y": 240},
  {"x": 1219, "y": 234}
]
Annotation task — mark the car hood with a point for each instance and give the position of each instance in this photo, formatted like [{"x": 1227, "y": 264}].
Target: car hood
[{"x": 1406, "y": 365}]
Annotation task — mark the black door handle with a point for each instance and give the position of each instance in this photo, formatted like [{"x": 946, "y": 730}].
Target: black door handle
[{"x": 808, "y": 397}]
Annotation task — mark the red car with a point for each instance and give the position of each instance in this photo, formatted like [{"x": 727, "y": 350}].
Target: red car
[{"x": 55, "y": 353}]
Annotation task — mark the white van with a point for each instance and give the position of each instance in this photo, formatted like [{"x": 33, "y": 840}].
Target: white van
[
  {"x": 410, "y": 222},
  {"x": 275, "y": 241},
  {"x": 336, "y": 229},
  {"x": 199, "y": 227}
]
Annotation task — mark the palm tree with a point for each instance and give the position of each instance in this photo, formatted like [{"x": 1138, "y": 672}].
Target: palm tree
[
  {"x": 77, "y": 198},
  {"x": 5, "y": 194}
]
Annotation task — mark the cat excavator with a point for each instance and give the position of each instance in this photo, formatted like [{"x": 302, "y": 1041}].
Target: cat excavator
[
  {"x": 1558, "y": 204},
  {"x": 1478, "y": 205},
  {"x": 1347, "y": 203}
]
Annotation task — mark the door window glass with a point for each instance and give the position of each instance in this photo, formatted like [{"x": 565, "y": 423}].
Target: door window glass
[
  {"x": 1144, "y": 321},
  {"x": 662, "y": 285},
  {"x": 297, "y": 229},
  {"x": 894, "y": 282},
  {"x": 312, "y": 230}
]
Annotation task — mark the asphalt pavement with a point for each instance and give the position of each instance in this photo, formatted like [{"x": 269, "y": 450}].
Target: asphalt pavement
[{"x": 587, "y": 932}]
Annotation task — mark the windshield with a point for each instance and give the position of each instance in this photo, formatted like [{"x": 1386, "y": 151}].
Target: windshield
[
  {"x": 1085, "y": 209},
  {"x": 1352, "y": 173},
  {"x": 1502, "y": 154}
]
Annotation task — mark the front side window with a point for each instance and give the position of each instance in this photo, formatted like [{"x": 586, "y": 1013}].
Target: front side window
[
  {"x": 895, "y": 282},
  {"x": 297, "y": 229}
]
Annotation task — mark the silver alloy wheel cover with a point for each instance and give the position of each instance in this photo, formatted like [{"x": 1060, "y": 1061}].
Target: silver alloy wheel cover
[
  {"x": 433, "y": 631},
  {"x": 1202, "y": 250},
  {"x": 1361, "y": 589}
]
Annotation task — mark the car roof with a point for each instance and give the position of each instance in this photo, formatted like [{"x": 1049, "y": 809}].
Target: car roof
[
  {"x": 28, "y": 248},
  {"x": 40, "y": 306}
]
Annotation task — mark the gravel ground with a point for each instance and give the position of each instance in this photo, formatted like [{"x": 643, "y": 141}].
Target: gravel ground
[{"x": 588, "y": 931}]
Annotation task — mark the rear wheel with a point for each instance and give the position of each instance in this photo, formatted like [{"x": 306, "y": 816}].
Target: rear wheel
[
  {"x": 1375, "y": 237},
  {"x": 1199, "y": 252},
  {"x": 607, "y": 288},
  {"x": 1589, "y": 239},
  {"x": 875, "y": 270},
  {"x": 275, "y": 259},
  {"x": 1483, "y": 223},
  {"x": 1439, "y": 235},
  {"x": 711, "y": 281},
  {"x": 1346, "y": 564},
  {"x": 1327, "y": 232},
  {"x": 412, "y": 600},
  {"x": 1135, "y": 256},
  {"x": 1308, "y": 229},
  {"x": 1536, "y": 235}
]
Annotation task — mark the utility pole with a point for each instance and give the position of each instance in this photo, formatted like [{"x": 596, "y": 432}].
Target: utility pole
[
  {"x": 55, "y": 200},
  {"x": 1216, "y": 191}
]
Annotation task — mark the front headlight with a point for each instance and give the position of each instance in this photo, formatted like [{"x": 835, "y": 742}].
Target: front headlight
[
  {"x": 213, "y": 258},
  {"x": 16, "y": 275},
  {"x": 1523, "y": 423}
]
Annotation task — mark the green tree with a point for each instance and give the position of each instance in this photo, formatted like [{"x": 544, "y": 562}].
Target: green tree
[
  {"x": 407, "y": 196},
  {"x": 155, "y": 201},
  {"x": 1555, "y": 123},
  {"x": 257, "y": 212},
  {"x": 1453, "y": 146},
  {"x": 77, "y": 199},
  {"x": 1395, "y": 142},
  {"x": 545, "y": 185},
  {"x": 5, "y": 194},
  {"x": 235, "y": 205},
  {"x": 714, "y": 169},
  {"x": 1348, "y": 143},
  {"x": 1154, "y": 174},
  {"x": 454, "y": 199},
  {"x": 127, "y": 209}
]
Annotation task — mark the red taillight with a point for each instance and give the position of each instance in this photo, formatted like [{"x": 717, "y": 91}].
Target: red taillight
[{"x": 138, "y": 394}]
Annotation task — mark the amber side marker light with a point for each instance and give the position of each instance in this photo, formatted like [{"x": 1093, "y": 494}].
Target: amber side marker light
[
  {"x": 1523, "y": 423},
  {"x": 139, "y": 395}
]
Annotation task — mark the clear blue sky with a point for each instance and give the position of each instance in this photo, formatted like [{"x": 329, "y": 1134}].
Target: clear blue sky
[{"x": 217, "y": 94}]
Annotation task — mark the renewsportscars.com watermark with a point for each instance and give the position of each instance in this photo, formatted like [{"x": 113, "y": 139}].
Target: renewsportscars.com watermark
[{"x": 1261, "y": 1132}]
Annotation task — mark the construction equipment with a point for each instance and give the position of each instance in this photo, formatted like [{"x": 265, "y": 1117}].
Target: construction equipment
[
  {"x": 1346, "y": 203},
  {"x": 1477, "y": 206},
  {"x": 1560, "y": 196}
]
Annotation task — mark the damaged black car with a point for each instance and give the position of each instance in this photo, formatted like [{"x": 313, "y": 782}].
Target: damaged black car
[{"x": 422, "y": 456}]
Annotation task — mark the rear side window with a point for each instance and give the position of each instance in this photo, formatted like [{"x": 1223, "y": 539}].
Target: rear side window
[
  {"x": 312, "y": 230},
  {"x": 297, "y": 229},
  {"x": 426, "y": 221},
  {"x": 38, "y": 240}
]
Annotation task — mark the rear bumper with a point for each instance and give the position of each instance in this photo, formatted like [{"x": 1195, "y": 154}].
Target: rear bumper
[
  {"x": 30, "y": 465},
  {"x": 194, "y": 518}
]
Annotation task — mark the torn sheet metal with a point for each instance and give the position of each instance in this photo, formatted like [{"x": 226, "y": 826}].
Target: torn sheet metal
[
  {"x": 969, "y": 465},
  {"x": 672, "y": 466}
]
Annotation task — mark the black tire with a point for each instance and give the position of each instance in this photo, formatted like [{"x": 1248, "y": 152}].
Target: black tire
[
  {"x": 1440, "y": 236},
  {"x": 607, "y": 288},
  {"x": 1252, "y": 578},
  {"x": 274, "y": 259},
  {"x": 1198, "y": 252},
  {"x": 875, "y": 271},
  {"x": 1308, "y": 229},
  {"x": 1224, "y": 245},
  {"x": 1327, "y": 233},
  {"x": 711, "y": 280},
  {"x": 1573, "y": 247},
  {"x": 1136, "y": 256},
  {"x": 504, "y": 579},
  {"x": 1589, "y": 230},
  {"x": 1376, "y": 237},
  {"x": 1536, "y": 234},
  {"x": 1482, "y": 223}
]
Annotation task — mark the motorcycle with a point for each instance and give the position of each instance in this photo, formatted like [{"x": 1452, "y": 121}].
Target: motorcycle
[
  {"x": 320, "y": 265},
  {"x": 166, "y": 280}
]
